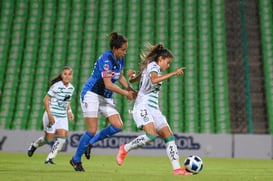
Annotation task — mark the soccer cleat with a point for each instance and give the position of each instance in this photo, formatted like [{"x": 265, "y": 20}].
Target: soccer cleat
[
  {"x": 87, "y": 152},
  {"x": 49, "y": 161},
  {"x": 77, "y": 166},
  {"x": 121, "y": 155},
  {"x": 31, "y": 150},
  {"x": 181, "y": 171}
]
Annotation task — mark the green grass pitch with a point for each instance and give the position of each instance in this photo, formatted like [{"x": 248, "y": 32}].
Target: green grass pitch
[{"x": 18, "y": 166}]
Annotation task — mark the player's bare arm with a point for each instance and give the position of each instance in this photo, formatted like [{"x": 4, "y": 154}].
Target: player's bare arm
[
  {"x": 155, "y": 78},
  {"x": 113, "y": 87}
]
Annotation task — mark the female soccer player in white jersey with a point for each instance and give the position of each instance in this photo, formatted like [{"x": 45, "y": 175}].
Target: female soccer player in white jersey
[
  {"x": 146, "y": 112},
  {"x": 96, "y": 96},
  {"x": 56, "y": 115}
]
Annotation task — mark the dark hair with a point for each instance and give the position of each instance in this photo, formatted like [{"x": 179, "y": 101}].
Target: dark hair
[
  {"x": 59, "y": 77},
  {"x": 152, "y": 53},
  {"x": 117, "y": 40}
]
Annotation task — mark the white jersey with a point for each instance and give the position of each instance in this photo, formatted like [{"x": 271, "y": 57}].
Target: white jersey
[
  {"x": 60, "y": 97},
  {"x": 148, "y": 92},
  {"x": 146, "y": 108}
]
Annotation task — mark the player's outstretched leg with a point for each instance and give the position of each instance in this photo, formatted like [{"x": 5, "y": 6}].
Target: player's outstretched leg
[
  {"x": 34, "y": 145},
  {"x": 139, "y": 141}
]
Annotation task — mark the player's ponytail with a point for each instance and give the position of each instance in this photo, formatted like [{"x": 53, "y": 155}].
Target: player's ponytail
[{"x": 152, "y": 53}]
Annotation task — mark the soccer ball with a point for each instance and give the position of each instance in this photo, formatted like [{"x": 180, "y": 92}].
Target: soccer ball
[{"x": 193, "y": 164}]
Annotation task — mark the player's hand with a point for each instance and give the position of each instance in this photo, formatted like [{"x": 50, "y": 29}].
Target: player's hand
[
  {"x": 51, "y": 119},
  {"x": 133, "y": 77},
  {"x": 130, "y": 95},
  {"x": 135, "y": 94},
  {"x": 129, "y": 88},
  {"x": 179, "y": 71},
  {"x": 70, "y": 116},
  {"x": 131, "y": 73}
]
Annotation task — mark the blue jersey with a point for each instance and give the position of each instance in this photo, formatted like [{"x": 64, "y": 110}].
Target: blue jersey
[{"x": 106, "y": 66}]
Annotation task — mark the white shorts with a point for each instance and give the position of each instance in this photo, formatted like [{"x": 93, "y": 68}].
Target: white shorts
[
  {"x": 93, "y": 104},
  {"x": 60, "y": 123},
  {"x": 144, "y": 115}
]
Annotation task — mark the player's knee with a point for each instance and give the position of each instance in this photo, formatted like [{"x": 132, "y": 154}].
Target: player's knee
[
  {"x": 115, "y": 121},
  {"x": 119, "y": 126}
]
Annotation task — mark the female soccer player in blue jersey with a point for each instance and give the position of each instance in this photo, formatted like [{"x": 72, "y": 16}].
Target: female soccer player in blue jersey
[
  {"x": 96, "y": 96},
  {"x": 56, "y": 115},
  {"x": 146, "y": 112}
]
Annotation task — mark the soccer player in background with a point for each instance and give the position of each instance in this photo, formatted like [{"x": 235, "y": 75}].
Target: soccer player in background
[
  {"x": 56, "y": 115},
  {"x": 146, "y": 112},
  {"x": 96, "y": 97}
]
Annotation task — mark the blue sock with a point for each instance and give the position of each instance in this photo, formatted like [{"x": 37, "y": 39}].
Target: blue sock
[
  {"x": 105, "y": 133},
  {"x": 84, "y": 142}
]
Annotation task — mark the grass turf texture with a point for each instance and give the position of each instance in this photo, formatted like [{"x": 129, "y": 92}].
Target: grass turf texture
[{"x": 18, "y": 166}]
